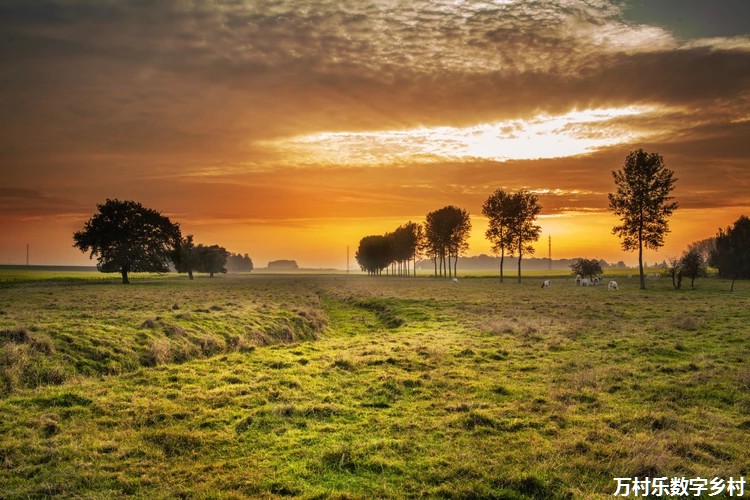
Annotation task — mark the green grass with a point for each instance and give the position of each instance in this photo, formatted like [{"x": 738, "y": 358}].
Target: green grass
[{"x": 338, "y": 386}]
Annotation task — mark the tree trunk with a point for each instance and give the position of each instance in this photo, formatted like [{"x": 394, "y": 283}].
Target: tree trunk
[
  {"x": 520, "y": 256},
  {"x": 731, "y": 289},
  {"x": 640, "y": 257},
  {"x": 190, "y": 273},
  {"x": 519, "y": 266},
  {"x": 455, "y": 265},
  {"x": 502, "y": 258},
  {"x": 126, "y": 281},
  {"x": 210, "y": 275},
  {"x": 434, "y": 261}
]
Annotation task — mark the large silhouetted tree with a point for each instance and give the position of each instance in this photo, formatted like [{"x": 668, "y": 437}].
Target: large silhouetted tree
[
  {"x": 373, "y": 254},
  {"x": 447, "y": 231},
  {"x": 497, "y": 209},
  {"x": 643, "y": 203},
  {"x": 522, "y": 230},
  {"x": 128, "y": 237},
  {"x": 732, "y": 254}
]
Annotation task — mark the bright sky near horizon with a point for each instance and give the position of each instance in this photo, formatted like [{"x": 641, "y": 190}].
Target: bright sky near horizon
[{"x": 291, "y": 129}]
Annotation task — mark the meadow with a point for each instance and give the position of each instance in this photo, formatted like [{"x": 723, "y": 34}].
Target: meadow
[{"x": 338, "y": 386}]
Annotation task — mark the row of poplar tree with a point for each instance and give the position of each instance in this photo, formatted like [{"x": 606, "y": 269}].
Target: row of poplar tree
[
  {"x": 444, "y": 235},
  {"x": 642, "y": 199}
]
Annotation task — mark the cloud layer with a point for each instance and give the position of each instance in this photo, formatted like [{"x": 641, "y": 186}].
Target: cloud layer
[{"x": 264, "y": 109}]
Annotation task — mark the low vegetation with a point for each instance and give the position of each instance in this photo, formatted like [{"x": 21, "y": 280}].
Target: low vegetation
[{"x": 352, "y": 387}]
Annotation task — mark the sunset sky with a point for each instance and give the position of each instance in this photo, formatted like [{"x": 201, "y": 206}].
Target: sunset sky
[{"x": 291, "y": 129}]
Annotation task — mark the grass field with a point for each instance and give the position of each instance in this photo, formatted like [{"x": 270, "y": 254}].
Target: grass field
[{"x": 335, "y": 386}]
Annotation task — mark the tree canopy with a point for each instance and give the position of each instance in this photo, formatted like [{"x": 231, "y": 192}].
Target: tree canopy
[
  {"x": 732, "y": 254},
  {"x": 642, "y": 201},
  {"x": 373, "y": 254},
  {"x": 692, "y": 265},
  {"x": 128, "y": 237},
  {"x": 189, "y": 258},
  {"x": 184, "y": 256},
  {"x": 586, "y": 267},
  {"x": 238, "y": 263},
  {"x": 211, "y": 259},
  {"x": 498, "y": 210},
  {"x": 447, "y": 232},
  {"x": 524, "y": 209}
]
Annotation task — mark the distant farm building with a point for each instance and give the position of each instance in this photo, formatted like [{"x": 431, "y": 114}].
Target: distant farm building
[{"x": 283, "y": 265}]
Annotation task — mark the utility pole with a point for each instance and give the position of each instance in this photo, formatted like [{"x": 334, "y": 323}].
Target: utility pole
[{"x": 550, "y": 252}]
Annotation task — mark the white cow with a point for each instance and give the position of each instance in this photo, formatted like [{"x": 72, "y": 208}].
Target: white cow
[
  {"x": 455, "y": 280},
  {"x": 596, "y": 281},
  {"x": 612, "y": 285},
  {"x": 578, "y": 279},
  {"x": 546, "y": 284},
  {"x": 585, "y": 282}
]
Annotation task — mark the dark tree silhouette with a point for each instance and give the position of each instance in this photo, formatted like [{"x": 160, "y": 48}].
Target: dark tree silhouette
[
  {"x": 524, "y": 209},
  {"x": 128, "y": 237},
  {"x": 586, "y": 267},
  {"x": 732, "y": 254},
  {"x": 404, "y": 242},
  {"x": 674, "y": 268},
  {"x": 239, "y": 263},
  {"x": 211, "y": 259},
  {"x": 693, "y": 266},
  {"x": 643, "y": 202},
  {"x": 373, "y": 254},
  {"x": 497, "y": 209},
  {"x": 185, "y": 257},
  {"x": 419, "y": 249},
  {"x": 447, "y": 232}
]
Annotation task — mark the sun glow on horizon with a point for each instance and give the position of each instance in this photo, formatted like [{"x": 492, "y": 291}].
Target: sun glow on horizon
[{"x": 544, "y": 136}]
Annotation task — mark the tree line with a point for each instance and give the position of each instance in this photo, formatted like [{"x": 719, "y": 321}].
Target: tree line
[
  {"x": 642, "y": 199},
  {"x": 127, "y": 237},
  {"x": 444, "y": 235},
  {"x": 210, "y": 259}
]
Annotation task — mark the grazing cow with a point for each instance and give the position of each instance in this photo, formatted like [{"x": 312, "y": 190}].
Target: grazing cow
[
  {"x": 612, "y": 285},
  {"x": 455, "y": 280},
  {"x": 596, "y": 281},
  {"x": 585, "y": 282},
  {"x": 546, "y": 284},
  {"x": 578, "y": 279}
]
